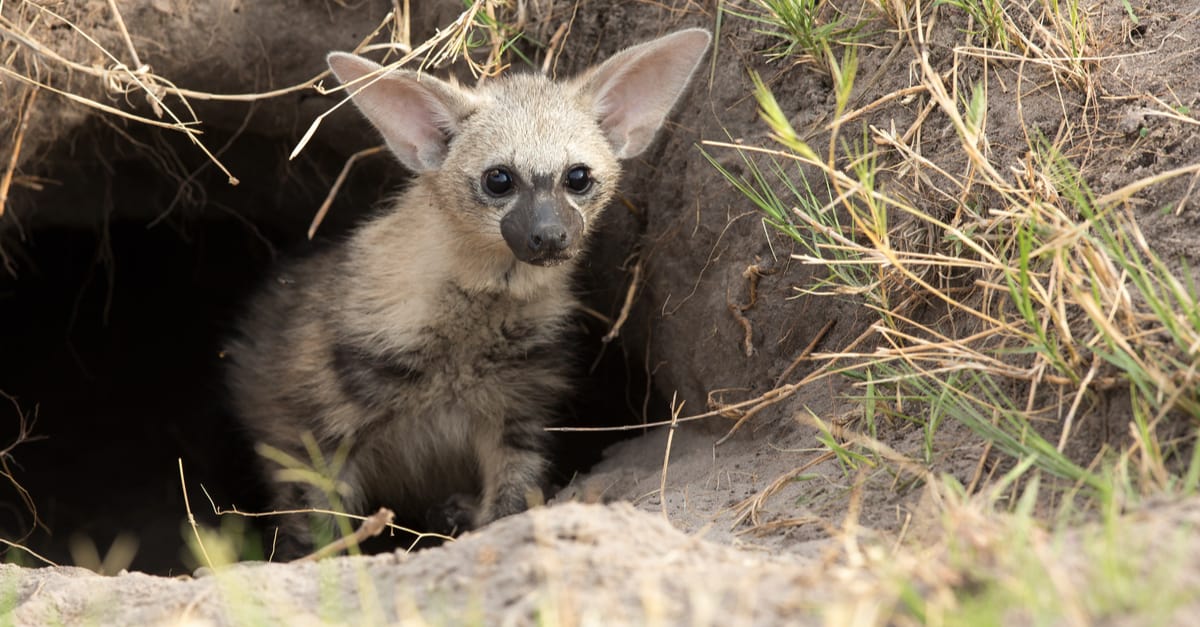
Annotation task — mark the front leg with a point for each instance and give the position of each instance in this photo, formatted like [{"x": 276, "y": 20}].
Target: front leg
[
  {"x": 513, "y": 464},
  {"x": 452, "y": 516},
  {"x": 300, "y": 532}
]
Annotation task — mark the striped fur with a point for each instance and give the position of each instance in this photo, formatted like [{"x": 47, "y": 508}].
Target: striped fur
[{"x": 422, "y": 346}]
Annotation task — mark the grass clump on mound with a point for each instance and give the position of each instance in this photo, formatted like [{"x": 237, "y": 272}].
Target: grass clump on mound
[
  {"x": 1010, "y": 298},
  {"x": 1050, "y": 295}
]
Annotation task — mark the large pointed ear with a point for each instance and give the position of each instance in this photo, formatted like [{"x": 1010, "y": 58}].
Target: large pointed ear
[
  {"x": 635, "y": 90},
  {"x": 416, "y": 114}
]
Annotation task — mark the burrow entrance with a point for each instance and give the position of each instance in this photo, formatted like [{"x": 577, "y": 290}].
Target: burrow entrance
[{"x": 114, "y": 312}]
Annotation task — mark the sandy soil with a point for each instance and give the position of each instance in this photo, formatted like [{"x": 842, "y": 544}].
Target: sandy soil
[{"x": 572, "y": 564}]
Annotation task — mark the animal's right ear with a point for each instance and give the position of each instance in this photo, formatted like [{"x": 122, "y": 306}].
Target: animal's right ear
[
  {"x": 416, "y": 114},
  {"x": 633, "y": 91}
]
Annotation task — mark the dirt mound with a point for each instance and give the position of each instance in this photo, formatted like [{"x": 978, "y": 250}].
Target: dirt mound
[
  {"x": 560, "y": 564},
  {"x": 592, "y": 564}
]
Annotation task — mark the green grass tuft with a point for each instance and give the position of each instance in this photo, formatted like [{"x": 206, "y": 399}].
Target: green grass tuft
[{"x": 802, "y": 29}]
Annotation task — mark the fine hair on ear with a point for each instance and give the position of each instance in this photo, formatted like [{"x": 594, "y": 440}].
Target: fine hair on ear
[
  {"x": 417, "y": 114},
  {"x": 633, "y": 91}
]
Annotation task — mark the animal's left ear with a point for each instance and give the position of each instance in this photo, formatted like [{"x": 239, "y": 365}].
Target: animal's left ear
[
  {"x": 417, "y": 115},
  {"x": 633, "y": 92}
]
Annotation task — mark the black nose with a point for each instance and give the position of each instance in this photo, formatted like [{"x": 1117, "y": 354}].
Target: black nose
[
  {"x": 549, "y": 237},
  {"x": 541, "y": 233}
]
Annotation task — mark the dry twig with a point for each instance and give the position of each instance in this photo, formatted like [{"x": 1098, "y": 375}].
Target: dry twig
[
  {"x": 372, "y": 526},
  {"x": 627, "y": 306},
  {"x": 812, "y": 345},
  {"x": 6, "y": 180},
  {"x": 418, "y": 536},
  {"x": 337, "y": 186},
  {"x": 662, "y": 485},
  {"x": 191, "y": 518}
]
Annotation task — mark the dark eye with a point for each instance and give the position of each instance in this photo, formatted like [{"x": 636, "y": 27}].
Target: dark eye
[
  {"x": 579, "y": 179},
  {"x": 497, "y": 181}
]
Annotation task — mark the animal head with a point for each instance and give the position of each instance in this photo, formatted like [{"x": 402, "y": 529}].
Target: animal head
[{"x": 523, "y": 161}]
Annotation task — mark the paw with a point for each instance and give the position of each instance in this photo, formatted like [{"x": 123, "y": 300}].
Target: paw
[
  {"x": 453, "y": 516},
  {"x": 515, "y": 501}
]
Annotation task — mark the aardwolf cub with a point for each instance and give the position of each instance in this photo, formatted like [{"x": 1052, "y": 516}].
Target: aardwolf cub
[{"x": 427, "y": 346}]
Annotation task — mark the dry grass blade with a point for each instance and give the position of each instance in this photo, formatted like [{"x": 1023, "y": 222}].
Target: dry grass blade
[
  {"x": 112, "y": 7},
  {"x": 662, "y": 485},
  {"x": 1126, "y": 192},
  {"x": 25, "y": 426},
  {"x": 627, "y": 305},
  {"x": 372, "y": 526},
  {"x": 337, "y": 185},
  {"x": 555, "y": 46},
  {"x": 447, "y": 44},
  {"x": 145, "y": 84},
  {"x": 418, "y": 536},
  {"x": 750, "y": 413},
  {"x": 45, "y": 560},
  {"x": 755, "y": 404},
  {"x": 6, "y": 181},
  {"x": 87, "y": 102},
  {"x": 1041, "y": 293},
  {"x": 750, "y": 507},
  {"x": 191, "y": 518},
  {"x": 812, "y": 345},
  {"x": 121, "y": 78}
]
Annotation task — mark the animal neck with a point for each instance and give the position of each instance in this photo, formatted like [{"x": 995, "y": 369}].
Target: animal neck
[
  {"x": 403, "y": 247},
  {"x": 499, "y": 272}
]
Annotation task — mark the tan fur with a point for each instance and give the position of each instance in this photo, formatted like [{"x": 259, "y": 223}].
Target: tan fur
[{"x": 422, "y": 343}]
